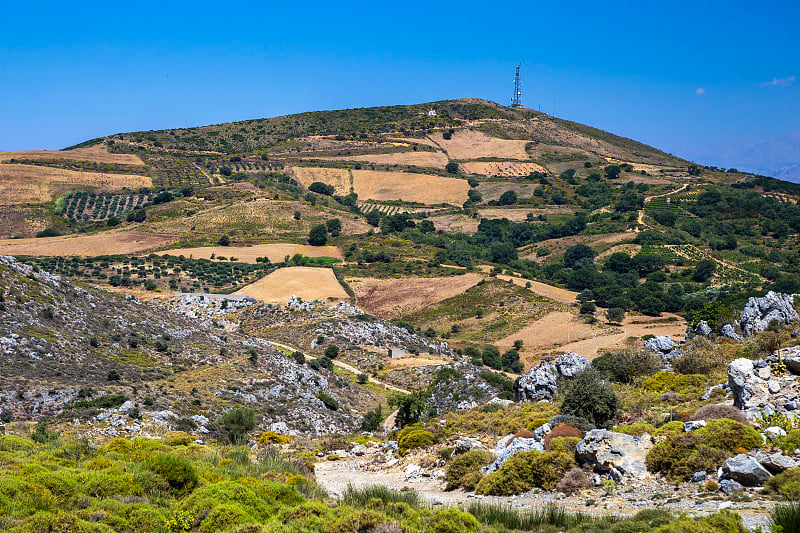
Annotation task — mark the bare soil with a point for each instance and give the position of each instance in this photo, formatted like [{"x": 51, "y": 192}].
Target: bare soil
[
  {"x": 304, "y": 282},
  {"x": 93, "y": 153},
  {"x": 422, "y": 188},
  {"x": 106, "y": 243},
  {"x": 394, "y": 298},
  {"x": 505, "y": 169},
  {"x": 468, "y": 144},
  {"x": 419, "y": 159}
]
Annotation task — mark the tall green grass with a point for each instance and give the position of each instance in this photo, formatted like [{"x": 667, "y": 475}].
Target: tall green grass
[
  {"x": 361, "y": 497},
  {"x": 787, "y": 516},
  {"x": 531, "y": 519}
]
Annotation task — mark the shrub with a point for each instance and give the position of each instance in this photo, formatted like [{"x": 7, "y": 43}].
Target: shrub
[
  {"x": 452, "y": 520},
  {"x": 699, "y": 360},
  {"x": 299, "y": 357},
  {"x": 665, "y": 381},
  {"x": 177, "y": 438},
  {"x": 589, "y": 397},
  {"x": 234, "y": 425},
  {"x": 637, "y": 430},
  {"x": 626, "y": 365},
  {"x": 414, "y": 436},
  {"x": 526, "y": 470},
  {"x": 41, "y": 435},
  {"x": 728, "y": 435},
  {"x": 681, "y": 455},
  {"x": 787, "y": 484},
  {"x": 329, "y": 401},
  {"x": 790, "y": 442},
  {"x": 12, "y": 443},
  {"x": 332, "y": 351},
  {"x": 179, "y": 473},
  {"x": 223, "y": 517},
  {"x": 574, "y": 481},
  {"x": 318, "y": 235},
  {"x": 575, "y": 421},
  {"x": 561, "y": 430},
  {"x": 464, "y": 470},
  {"x": 674, "y": 427},
  {"x": 719, "y": 410},
  {"x": 270, "y": 437}
]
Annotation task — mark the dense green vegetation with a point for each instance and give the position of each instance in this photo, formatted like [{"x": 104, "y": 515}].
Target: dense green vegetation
[{"x": 171, "y": 485}]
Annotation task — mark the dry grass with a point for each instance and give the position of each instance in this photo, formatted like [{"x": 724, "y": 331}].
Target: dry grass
[
  {"x": 502, "y": 168},
  {"x": 247, "y": 254},
  {"x": 107, "y": 243},
  {"x": 93, "y": 153},
  {"x": 338, "y": 177},
  {"x": 388, "y": 186},
  {"x": 37, "y": 184},
  {"x": 467, "y": 144},
  {"x": 304, "y": 282},
  {"x": 456, "y": 223},
  {"x": 419, "y": 159},
  {"x": 520, "y": 214},
  {"x": 394, "y": 298}
]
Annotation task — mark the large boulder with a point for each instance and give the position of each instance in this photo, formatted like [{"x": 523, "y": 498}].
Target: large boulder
[
  {"x": 508, "y": 446},
  {"x": 741, "y": 382},
  {"x": 466, "y": 444},
  {"x": 570, "y": 364},
  {"x": 760, "y": 312},
  {"x": 539, "y": 383},
  {"x": 729, "y": 332},
  {"x": 745, "y": 470},
  {"x": 606, "y": 450},
  {"x": 662, "y": 344},
  {"x": 776, "y": 462},
  {"x": 702, "y": 328}
]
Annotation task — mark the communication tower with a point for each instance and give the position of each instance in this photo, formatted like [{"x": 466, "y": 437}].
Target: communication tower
[{"x": 516, "y": 100}]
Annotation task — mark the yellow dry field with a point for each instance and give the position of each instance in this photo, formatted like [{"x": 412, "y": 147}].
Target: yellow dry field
[
  {"x": 413, "y": 140},
  {"x": 468, "y": 144},
  {"x": 388, "y": 186},
  {"x": 93, "y": 153},
  {"x": 304, "y": 282},
  {"x": 416, "y": 362},
  {"x": 247, "y": 254},
  {"x": 393, "y": 298},
  {"x": 107, "y": 243},
  {"x": 521, "y": 214},
  {"x": 503, "y": 169},
  {"x": 37, "y": 184},
  {"x": 338, "y": 177},
  {"x": 419, "y": 159}
]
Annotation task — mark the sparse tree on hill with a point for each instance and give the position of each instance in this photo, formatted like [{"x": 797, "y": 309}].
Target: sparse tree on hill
[{"x": 318, "y": 235}]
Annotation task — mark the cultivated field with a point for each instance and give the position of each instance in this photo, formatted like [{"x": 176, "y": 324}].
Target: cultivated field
[
  {"x": 247, "y": 254},
  {"x": 456, "y": 223},
  {"x": 304, "y": 282},
  {"x": 37, "y": 184},
  {"x": 419, "y": 159},
  {"x": 387, "y": 186},
  {"x": 259, "y": 220},
  {"x": 338, "y": 177},
  {"x": 93, "y": 153},
  {"x": 467, "y": 144},
  {"x": 504, "y": 169},
  {"x": 107, "y": 243},
  {"x": 520, "y": 214},
  {"x": 393, "y": 298},
  {"x": 599, "y": 243}
]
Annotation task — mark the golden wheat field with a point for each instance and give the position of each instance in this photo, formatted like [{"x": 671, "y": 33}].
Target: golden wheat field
[
  {"x": 419, "y": 159},
  {"x": 106, "y": 243},
  {"x": 93, "y": 153},
  {"x": 468, "y": 144},
  {"x": 37, "y": 184},
  {"x": 422, "y": 188},
  {"x": 338, "y": 177},
  {"x": 304, "y": 282},
  {"x": 276, "y": 252},
  {"x": 503, "y": 169}
]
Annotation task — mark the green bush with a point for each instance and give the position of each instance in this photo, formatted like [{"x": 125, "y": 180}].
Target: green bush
[
  {"x": 234, "y": 425},
  {"x": 785, "y": 518},
  {"x": 680, "y": 456},
  {"x": 464, "y": 470},
  {"x": 414, "y": 436},
  {"x": 589, "y": 397},
  {"x": 637, "y": 430},
  {"x": 727, "y": 434},
  {"x": 224, "y": 516},
  {"x": 626, "y": 365},
  {"x": 787, "y": 484},
  {"x": 452, "y": 520},
  {"x": 790, "y": 442},
  {"x": 329, "y": 401},
  {"x": 722, "y": 522},
  {"x": 179, "y": 473},
  {"x": 665, "y": 381},
  {"x": 525, "y": 471},
  {"x": 12, "y": 443}
]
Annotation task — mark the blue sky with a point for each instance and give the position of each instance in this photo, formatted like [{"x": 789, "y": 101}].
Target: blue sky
[{"x": 672, "y": 74}]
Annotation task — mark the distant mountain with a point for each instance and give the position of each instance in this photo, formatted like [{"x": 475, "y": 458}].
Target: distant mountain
[{"x": 779, "y": 158}]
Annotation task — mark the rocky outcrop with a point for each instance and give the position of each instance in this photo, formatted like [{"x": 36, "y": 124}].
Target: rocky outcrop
[
  {"x": 765, "y": 385},
  {"x": 570, "y": 364},
  {"x": 760, "y": 312},
  {"x": 466, "y": 444},
  {"x": 776, "y": 462},
  {"x": 541, "y": 381},
  {"x": 608, "y": 451},
  {"x": 508, "y": 446},
  {"x": 745, "y": 470},
  {"x": 730, "y": 333},
  {"x": 662, "y": 344},
  {"x": 702, "y": 328}
]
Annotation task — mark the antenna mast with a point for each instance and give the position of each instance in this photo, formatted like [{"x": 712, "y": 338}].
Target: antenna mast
[{"x": 516, "y": 100}]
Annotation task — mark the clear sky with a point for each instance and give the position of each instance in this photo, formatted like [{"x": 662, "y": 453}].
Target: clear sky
[{"x": 672, "y": 74}]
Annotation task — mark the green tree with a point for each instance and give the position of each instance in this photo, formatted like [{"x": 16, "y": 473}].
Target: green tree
[
  {"x": 318, "y": 235},
  {"x": 334, "y": 227},
  {"x": 224, "y": 240},
  {"x": 507, "y": 198},
  {"x": 374, "y": 218},
  {"x": 612, "y": 171},
  {"x": 589, "y": 396},
  {"x": 233, "y": 426},
  {"x": 451, "y": 167},
  {"x": 615, "y": 315},
  {"x": 410, "y": 407},
  {"x": 704, "y": 270},
  {"x": 332, "y": 351}
]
